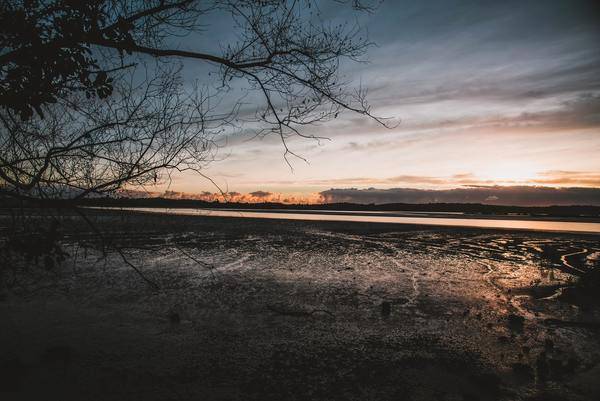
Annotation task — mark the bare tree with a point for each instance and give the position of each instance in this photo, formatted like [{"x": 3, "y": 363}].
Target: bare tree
[
  {"x": 72, "y": 118},
  {"x": 92, "y": 97},
  {"x": 85, "y": 145}
]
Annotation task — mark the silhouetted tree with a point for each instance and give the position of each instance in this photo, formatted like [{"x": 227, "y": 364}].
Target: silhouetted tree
[
  {"x": 76, "y": 115},
  {"x": 92, "y": 97},
  {"x": 83, "y": 145}
]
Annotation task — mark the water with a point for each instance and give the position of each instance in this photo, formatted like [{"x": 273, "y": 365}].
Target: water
[{"x": 513, "y": 224}]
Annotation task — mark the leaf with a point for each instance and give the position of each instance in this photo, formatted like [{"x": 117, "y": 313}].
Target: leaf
[{"x": 100, "y": 78}]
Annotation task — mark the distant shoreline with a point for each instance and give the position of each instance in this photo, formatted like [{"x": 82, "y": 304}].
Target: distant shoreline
[
  {"x": 465, "y": 210},
  {"x": 513, "y": 224},
  {"x": 399, "y": 213}
]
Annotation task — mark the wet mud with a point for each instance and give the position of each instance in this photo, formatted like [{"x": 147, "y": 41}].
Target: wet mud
[{"x": 282, "y": 310}]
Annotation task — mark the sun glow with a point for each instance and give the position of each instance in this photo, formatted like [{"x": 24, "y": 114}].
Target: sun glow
[{"x": 510, "y": 173}]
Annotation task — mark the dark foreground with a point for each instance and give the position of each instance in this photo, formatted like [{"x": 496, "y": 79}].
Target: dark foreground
[{"x": 280, "y": 310}]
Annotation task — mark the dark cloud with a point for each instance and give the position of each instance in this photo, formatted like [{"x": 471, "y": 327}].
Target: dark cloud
[
  {"x": 261, "y": 194},
  {"x": 492, "y": 195},
  {"x": 526, "y": 20}
]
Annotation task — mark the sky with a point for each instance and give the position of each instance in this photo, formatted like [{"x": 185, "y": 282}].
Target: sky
[{"x": 488, "y": 93}]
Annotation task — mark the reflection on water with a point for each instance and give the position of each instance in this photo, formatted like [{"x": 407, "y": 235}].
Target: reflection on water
[{"x": 535, "y": 225}]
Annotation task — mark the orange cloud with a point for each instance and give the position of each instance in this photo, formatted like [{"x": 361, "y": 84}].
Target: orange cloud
[{"x": 560, "y": 177}]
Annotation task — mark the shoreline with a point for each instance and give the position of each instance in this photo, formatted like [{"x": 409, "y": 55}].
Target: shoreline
[{"x": 509, "y": 224}]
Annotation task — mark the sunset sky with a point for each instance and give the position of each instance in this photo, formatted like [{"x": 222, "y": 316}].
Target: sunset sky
[{"x": 488, "y": 93}]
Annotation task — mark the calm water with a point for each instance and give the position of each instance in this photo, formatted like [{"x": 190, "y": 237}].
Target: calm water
[{"x": 536, "y": 225}]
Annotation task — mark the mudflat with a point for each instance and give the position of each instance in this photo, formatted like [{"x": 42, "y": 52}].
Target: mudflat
[{"x": 251, "y": 309}]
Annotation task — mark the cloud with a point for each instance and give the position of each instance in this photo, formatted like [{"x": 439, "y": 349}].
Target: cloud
[
  {"x": 579, "y": 111},
  {"x": 492, "y": 195},
  {"x": 261, "y": 194},
  {"x": 555, "y": 177},
  {"x": 479, "y": 86},
  {"x": 472, "y": 191},
  {"x": 550, "y": 177},
  {"x": 408, "y": 179}
]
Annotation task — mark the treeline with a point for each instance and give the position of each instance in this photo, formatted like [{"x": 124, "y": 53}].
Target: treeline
[{"x": 467, "y": 208}]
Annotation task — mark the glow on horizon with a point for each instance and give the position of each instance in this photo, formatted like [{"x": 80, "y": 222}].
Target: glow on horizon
[{"x": 497, "y": 99}]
